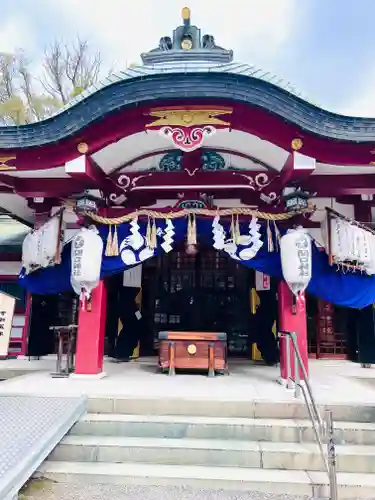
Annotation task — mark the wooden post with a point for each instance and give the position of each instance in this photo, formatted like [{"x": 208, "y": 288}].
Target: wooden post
[
  {"x": 211, "y": 360},
  {"x": 172, "y": 358}
]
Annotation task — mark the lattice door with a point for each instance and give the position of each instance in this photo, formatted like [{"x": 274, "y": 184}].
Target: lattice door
[{"x": 206, "y": 292}]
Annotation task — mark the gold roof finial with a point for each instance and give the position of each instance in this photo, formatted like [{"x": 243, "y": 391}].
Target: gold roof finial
[{"x": 185, "y": 14}]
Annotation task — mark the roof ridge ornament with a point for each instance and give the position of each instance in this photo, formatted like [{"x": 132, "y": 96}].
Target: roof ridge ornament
[
  {"x": 185, "y": 14},
  {"x": 187, "y": 43}
]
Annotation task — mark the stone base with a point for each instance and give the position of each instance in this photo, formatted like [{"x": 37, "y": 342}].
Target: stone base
[
  {"x": 31, "y": 358},
  {"x": 284, "y": 383},
  {"x": 84, "y": 376}
]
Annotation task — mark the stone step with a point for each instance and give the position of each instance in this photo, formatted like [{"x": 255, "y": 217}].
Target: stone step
[
  {"x": 251, "y": 429},
  {"x": 228, "y": 409},
  {"x": 211, "y": 452},
  {"x": 350, "y": 486}
]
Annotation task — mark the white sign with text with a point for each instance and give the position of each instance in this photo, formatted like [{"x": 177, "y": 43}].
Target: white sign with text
[{"x": 7, "y": 306}]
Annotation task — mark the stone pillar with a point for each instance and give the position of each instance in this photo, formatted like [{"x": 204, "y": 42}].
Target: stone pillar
[
  {"x": 292, "y": 318},
  {"x": 90, "y": 336}
]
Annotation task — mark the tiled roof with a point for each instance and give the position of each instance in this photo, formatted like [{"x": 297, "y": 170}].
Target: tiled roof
[
  {"x": 192, "y": 79},
  {"x": 183, "y": 67},
  {"x": 12, "y": 234}
]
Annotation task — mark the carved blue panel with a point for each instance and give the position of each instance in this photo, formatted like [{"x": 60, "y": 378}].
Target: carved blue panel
[
  {"x": 212, "y": 161},
  {"x": 171, "y": 162}
]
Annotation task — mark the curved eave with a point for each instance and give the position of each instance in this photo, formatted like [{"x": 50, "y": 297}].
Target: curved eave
[{"x": 193, "y": 86}]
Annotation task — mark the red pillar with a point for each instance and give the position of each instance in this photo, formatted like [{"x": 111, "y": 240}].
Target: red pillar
[
  {"x": 292, "y": 318},
  {"x": 90, "y": 335}
]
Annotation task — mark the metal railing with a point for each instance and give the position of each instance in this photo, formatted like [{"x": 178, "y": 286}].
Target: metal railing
[{"x": 323, "y": 430}]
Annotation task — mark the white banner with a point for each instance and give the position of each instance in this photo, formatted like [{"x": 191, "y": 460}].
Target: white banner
[{"x": 7, "y": 305}]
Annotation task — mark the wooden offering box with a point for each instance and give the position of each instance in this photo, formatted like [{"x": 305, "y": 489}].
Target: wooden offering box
[{"x": 193, "y": 351}]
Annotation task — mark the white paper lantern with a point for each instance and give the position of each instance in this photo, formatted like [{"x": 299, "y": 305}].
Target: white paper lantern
[
  {"x": 30, "y": 251},
  {"x": 41, "y": 248},
  {"x": 370, "y": 267},
  {"x": 86, "y": 255},
  {"x": 49, "y": 241},
  {"x": 296, "y": 259}
]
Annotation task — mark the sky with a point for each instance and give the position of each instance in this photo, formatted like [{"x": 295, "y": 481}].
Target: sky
[{"x": 325, "y": 48}]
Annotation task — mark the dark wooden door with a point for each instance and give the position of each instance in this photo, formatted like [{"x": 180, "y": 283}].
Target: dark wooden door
[{"x": 205, "y": 292}]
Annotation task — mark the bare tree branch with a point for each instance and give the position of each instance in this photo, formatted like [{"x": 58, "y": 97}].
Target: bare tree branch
[
  {"x": 55, "y": 68},
  {"x": 7, "y": 73},
  {"x": 68, "y": 70}
]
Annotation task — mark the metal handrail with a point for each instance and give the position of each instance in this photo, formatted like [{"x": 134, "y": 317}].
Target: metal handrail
[{"x": 323, "y": 431}]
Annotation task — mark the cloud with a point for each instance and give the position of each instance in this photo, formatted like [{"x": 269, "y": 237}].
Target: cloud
[
  {"x": 362, "y": 102},
  {"x": 16, "y": 33},
  {"x": 123, "y": 29}
]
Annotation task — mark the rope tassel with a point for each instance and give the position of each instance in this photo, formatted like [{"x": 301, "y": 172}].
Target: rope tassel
[
  {"x": 115, "y": 249},
  {"x": 271, "y": 247},
  {"x": 237, "y": 231},
  {"x": 148, "y": 233},
  {"x": 233, "y": 230},
  {"x": 153, "y": 240},
  {"x": 192, "y": 230},
  {"x": 277, "y": 236},
  {"x": 109, "y": 246}
]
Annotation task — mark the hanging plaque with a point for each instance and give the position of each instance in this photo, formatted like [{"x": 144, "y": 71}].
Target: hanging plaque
[
  {"x": 262, "y": 282},
  {"x": 133, "y": 277},
  {"x": 7, "y": 306}
]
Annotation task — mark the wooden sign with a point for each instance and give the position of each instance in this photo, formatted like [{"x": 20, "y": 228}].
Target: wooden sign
[{"x": 7, "y": 306}]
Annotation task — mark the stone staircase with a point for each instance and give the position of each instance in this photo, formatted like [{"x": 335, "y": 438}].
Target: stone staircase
[{"x": 253, "y": 446}]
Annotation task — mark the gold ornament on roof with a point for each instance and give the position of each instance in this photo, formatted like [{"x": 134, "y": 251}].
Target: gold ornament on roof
[
  {"x": 82, "y": 148},
  {"x": 297, "y": 144},
  {"x": 185, "y": 13},
  {"x": 186, "y": 44},
  {"x": 181, "y": 117}
]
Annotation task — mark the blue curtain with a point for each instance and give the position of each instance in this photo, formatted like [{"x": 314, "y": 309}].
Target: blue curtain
[{"x": 354, "y": 290}]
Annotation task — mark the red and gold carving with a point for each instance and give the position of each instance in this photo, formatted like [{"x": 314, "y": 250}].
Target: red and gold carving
[
  {"x": 187, "y": 139},
  {"x": 7, "y": 163},
  {"x": 191, "y": 117},
  {"x": 187, "y": 128}
]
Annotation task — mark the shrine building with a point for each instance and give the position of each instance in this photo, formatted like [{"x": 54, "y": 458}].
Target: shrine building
[{"x": 187, "y": 173}]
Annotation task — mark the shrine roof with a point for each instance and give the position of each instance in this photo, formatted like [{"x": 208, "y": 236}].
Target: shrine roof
[
  {"x": 190, "y": 63},
  {"x": 192, "y": 68},
  {"x": 193, "y": 81}
]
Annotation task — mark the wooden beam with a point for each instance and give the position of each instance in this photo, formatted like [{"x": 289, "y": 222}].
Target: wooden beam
[
  {"x": 340, "y": 185},
  {"x": 85, "y": 170},
  {"x": 296, "y": 169},
  {"x": 191, "y": 180},
  {"x": 4, "y": 211}
]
